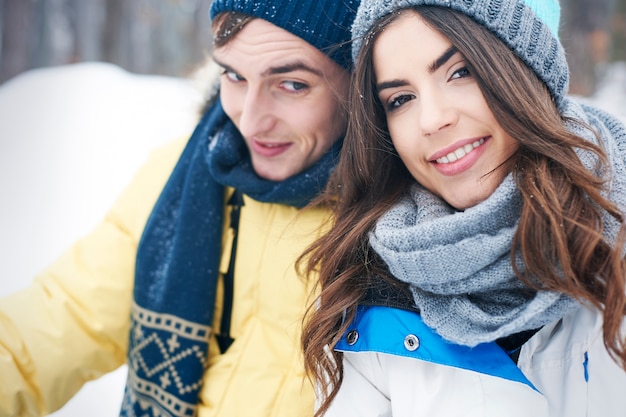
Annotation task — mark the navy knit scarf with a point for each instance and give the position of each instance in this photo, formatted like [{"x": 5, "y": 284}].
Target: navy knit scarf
[{"x": 178, "y": 264}]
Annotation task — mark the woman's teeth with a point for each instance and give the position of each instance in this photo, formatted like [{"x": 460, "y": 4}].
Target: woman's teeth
[{"x": 460, "y": 152}]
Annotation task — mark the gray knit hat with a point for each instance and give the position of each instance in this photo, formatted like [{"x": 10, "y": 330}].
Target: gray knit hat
[
  {"x": 325, "y": 24},
  {"x": 529, "y": 27}
]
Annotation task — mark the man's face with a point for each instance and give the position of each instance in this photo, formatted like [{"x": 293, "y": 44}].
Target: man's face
[{"x": 284, "y": 96}]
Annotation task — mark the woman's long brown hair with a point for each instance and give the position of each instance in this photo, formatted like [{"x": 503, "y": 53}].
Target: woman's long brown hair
[{"x": 560, "y": 229}]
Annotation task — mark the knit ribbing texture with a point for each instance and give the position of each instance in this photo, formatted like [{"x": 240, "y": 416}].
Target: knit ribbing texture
[
  {"x": 457, "y": 263},
  {"x": 528, "y": 27},
  {"x": 325, "y": 24}
]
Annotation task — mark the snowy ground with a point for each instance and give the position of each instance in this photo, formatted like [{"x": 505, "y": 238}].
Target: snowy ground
[{"x": 70, "y": 139}]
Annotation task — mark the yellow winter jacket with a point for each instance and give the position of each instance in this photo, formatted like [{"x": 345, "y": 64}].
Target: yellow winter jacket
[{"x": 72, "y": 324}]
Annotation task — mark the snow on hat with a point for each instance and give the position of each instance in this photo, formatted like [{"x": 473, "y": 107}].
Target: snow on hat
[
  {"x": 529, "y": 27},
  {"x": 325, "y": 24}
]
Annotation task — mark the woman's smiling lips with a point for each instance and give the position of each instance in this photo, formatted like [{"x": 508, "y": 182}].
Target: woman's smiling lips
[
  {"x": 458, "y": 157},
  {"x": 269, "y": 149},
  {"x": 460, "y": 152}
]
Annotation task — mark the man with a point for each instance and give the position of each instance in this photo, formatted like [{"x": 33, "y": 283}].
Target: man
[{"x": 216, "y": 230}]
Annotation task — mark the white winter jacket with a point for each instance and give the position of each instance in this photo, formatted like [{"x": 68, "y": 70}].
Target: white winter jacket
[{"x": 394, "y": 365}]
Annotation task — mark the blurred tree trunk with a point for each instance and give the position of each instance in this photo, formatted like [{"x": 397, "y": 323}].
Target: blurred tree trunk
[
  {"x": 89, "y": 18},
  {"x": 167, "y": 37},
  {"x": 618, "y": 29},
  {"x": 173, "y": 36},
  {"x": 16, "y": 41},
  {"x": 588, "y": 33}
]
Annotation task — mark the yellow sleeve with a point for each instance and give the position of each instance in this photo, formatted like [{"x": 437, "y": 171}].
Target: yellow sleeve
[{"x": 71, "y": 325}]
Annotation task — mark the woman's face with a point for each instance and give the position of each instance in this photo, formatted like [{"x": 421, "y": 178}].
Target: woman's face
[{"x": 438, "y": 119}]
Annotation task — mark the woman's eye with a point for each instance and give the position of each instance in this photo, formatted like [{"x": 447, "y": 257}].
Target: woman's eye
[
  {"x": 233, "y": 76},
  {"x": 461, "y": 73},
  {"x": 294, "y": 86},
  {"x": 399, "y": 101}
]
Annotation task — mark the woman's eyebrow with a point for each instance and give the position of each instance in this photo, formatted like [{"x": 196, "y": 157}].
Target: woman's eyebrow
[
  {"x": 390, "y": 84},
  {"x": 437, "y": 63}
]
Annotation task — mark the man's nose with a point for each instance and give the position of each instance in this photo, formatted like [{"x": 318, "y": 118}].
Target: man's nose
[{"x": 257, "y": 113}]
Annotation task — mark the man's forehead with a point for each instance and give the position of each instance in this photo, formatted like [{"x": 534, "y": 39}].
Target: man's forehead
[
  {"x": 259, "y": 31},
  {"x": 262, "y": 43}
]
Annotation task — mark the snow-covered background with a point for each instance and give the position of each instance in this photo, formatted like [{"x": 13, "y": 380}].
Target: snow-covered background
[{"x": 70, "y": 139}]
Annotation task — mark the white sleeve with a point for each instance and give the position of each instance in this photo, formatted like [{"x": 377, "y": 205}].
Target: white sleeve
[{"x": 568, "y": 362}]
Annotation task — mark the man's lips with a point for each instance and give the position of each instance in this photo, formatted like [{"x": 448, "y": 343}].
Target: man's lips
[{"x": 269, "y": 149}]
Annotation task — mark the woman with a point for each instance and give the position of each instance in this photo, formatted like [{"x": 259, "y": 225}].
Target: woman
[{"x": 478, "y": 224}]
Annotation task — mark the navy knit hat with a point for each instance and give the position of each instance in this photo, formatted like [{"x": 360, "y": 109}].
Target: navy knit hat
[
  {"x": 529, "y": 27},
  {"x": 325, "y": 24}
]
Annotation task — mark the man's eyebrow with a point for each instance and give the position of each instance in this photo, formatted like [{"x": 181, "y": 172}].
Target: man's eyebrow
[
  {"x": 223, "y": 65},
  {"x": 291, "y": 67},
  {"x": 437, "y": 63},
  {"x": 282, "y": 69}
]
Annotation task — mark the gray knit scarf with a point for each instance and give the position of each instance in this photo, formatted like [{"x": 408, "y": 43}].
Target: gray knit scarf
[{"x": 458, "y": 263}]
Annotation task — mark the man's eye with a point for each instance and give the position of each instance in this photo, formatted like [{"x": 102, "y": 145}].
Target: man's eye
[
  {"x": 294, "y": 85},
  {"x": 399, "y": 101},
  {"x": 233, "y": 76}
]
